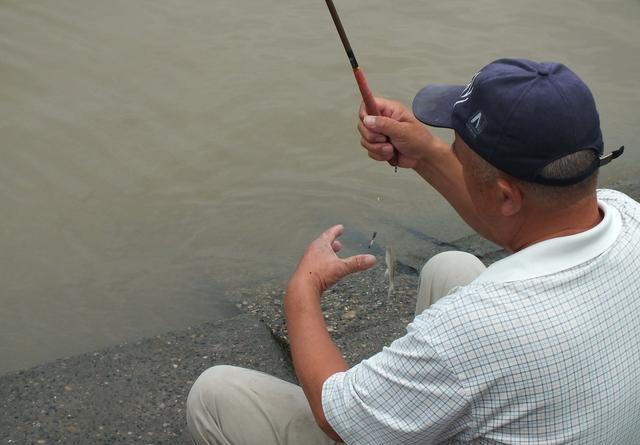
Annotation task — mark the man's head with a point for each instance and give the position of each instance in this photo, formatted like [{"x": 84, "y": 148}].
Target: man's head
[
  {"x": 506, "y": 204},
  {"x": 527, "y": 135}
]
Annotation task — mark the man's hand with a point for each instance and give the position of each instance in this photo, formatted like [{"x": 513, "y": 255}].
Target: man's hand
[
  {"x": 396, "y": 128},
  {"x": 321, "y": 268}
]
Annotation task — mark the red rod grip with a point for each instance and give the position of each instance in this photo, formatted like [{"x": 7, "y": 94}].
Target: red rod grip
[
  {"x": 370, "y": 105},
  {"x": 367, "y": 95}
]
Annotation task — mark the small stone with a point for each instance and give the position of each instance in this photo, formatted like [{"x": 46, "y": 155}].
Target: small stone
[
  {"x": 174, "y": 365},
  {"x": 72, "y": 429},
  {"x": 68, "y": 387},
  {"x": 349, "y": 315}
]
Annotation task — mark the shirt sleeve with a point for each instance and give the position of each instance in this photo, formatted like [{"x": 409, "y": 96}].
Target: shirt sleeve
[{"x": 405, "y": 394}]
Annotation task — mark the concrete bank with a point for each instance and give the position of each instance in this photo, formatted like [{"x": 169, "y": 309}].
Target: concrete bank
[
  {"x": 132, "y": 393},
  {"x": 135, "y": 393}
]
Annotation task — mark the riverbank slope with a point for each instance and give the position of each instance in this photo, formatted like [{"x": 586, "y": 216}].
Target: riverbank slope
[{"x": 134, "y": 393}]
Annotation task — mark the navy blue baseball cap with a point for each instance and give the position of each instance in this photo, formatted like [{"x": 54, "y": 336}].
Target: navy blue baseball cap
[{"x": 519, "y": 115}]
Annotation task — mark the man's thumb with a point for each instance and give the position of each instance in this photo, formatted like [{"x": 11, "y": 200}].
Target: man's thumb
[
  {"x": 359, "y": 263},
  {"x": 383, "y": 124}
]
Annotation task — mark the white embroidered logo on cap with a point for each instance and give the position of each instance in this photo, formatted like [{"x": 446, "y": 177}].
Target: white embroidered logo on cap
[{"x": 466, "y": 93}]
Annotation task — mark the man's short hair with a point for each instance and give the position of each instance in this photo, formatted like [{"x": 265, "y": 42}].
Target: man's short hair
[{"x": 569, "y": 166}]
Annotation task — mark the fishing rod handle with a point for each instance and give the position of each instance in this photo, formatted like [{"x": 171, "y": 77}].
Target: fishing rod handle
[
  {"x": 371, "y": 106},
  {"x": 367, "y": 96}
]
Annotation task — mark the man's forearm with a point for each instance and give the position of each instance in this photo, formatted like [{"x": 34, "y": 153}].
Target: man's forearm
[
  {"x": 315, "y": 355},
  {"x": 443, "y": 172}
]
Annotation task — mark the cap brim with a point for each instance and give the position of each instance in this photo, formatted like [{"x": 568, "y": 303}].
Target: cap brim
[{"x": 433, "y": 104}]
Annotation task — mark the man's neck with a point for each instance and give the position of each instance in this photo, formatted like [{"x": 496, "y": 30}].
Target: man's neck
[{"x": 541, "y": 224}]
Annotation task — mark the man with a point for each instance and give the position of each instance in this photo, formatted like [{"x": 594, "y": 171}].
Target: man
[{"x": 541, "y": 347}]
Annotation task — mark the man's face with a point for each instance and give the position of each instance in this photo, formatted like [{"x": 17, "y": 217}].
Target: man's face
[
  {"x": 476, "y": 185},
  {"x": 481, "y": 189}
]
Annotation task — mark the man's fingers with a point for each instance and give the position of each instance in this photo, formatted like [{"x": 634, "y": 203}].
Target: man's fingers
[
  {"x": 359, "y": 263},
  {"x": 384, "y": 125},
  {"x": 385, "y": 106},
  {"x": 332, "y": 233},
  {"x": 378, "y": 157},
  {"x": 369, "y": 135},
  {"x": 384, "y": 150},
  {"x": 336, "y": 246}
]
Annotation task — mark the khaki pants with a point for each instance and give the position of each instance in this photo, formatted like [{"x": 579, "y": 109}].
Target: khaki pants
[{"x": 237, "y": 406}]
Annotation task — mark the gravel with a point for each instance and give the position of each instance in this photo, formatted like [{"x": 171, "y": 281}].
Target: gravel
[{"x": 132, "y": 393}]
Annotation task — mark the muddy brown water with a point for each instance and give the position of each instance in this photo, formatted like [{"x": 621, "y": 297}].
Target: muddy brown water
[{"x": 157, "y": 154}]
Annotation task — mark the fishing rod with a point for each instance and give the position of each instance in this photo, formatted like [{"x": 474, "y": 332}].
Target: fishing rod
[{"x": 367, "y": 96}]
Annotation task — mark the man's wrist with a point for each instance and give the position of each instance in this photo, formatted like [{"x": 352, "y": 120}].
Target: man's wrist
[
  {"x": 301, "y": 288},
  {"x": 433, "y": 156}
]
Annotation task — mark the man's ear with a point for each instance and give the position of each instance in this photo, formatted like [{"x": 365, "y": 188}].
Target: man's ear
[{"x": 510, "y": 197}]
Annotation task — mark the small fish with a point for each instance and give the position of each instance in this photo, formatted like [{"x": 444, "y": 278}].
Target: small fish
[
  {"x": 373, "y": 237},
  {"x": 390, "y": 261}
]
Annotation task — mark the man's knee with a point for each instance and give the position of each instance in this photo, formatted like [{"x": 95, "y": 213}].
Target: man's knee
[
  {"x": 442, "y": 273},
  {"x": 213, "y": 384},
  {"x": 447, "y": 261}
]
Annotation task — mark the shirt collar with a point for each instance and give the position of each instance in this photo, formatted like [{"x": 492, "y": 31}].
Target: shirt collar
[{"x": 556, "y": 254}]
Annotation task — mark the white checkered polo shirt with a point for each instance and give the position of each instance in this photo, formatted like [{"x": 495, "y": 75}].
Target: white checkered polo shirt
[{"x": 542, "y": 348}]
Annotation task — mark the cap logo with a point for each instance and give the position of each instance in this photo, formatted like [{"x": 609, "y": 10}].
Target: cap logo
[
  {"x": 466, "y": 93},
  {"x": 476, "y": 124}
]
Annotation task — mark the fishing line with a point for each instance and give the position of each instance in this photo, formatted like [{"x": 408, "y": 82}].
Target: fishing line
[{"x": 372, "y": 110}]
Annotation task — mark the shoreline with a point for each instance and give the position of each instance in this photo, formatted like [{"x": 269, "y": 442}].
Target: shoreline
[{"x": 135, "y": 392}]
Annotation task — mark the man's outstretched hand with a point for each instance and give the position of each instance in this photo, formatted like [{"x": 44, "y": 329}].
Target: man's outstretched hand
[
  {"x": 396, "y": 127},
  {"x": 320, "y": 266}
]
